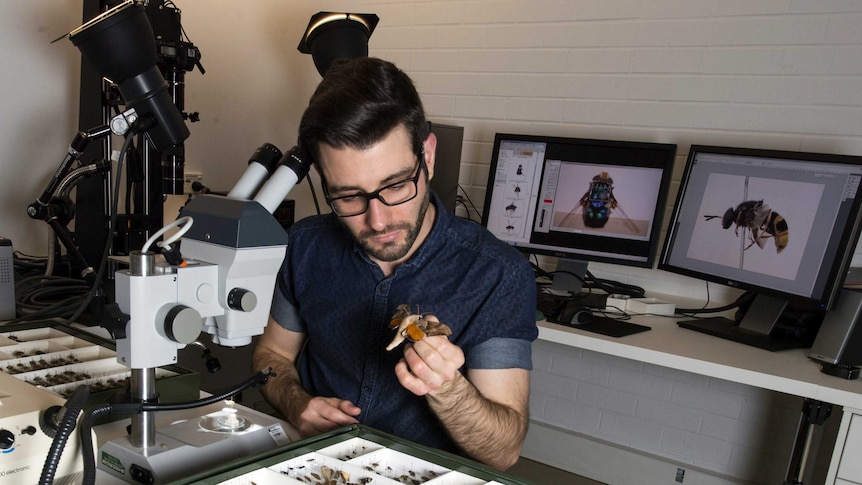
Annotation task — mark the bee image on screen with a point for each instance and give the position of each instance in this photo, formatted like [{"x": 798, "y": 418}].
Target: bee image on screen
[
  {"x": 579, "y": 199},
  {"x": 758, "y": 223},
  {"x": 594, "y": 209},
  {"x": 780, "y": 224}
]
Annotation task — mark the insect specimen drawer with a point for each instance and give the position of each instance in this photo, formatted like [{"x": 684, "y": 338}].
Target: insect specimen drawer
[
  {"x": 356, "y": 455},
  {"x": 60, "y": 358}
]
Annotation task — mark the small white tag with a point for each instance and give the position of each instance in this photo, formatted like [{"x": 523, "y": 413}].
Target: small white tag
[{"x": 278, "y": 434}]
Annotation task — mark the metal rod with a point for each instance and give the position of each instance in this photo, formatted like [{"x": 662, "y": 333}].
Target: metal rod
[
  {"x": 142, "y": 264},
  {"x": 143, "y": 388}
]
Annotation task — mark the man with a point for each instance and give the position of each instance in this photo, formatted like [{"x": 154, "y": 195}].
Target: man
[{"x": 390, "y": 242}]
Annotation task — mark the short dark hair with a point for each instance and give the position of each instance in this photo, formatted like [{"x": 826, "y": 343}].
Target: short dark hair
[{"x": 358, "y": 102}]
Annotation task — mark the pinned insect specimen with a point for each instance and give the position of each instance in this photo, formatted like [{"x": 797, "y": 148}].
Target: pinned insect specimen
[
  {"x": 334, "y": 476},
  {"x": 758, "y": 222},
  {"x": 414, "y": 327},
  {"x": 597, "y": 205}
]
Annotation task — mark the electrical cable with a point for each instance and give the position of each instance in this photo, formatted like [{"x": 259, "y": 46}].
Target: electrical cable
[
  {"x": 743, "y": 299},
  {"x": 612, "y": 287},
  {"x": 313, "y": 194},
  {"x": 467, "y": 197},
  {"x": 52, "y": 247},
  {"x": 169, "y": 3},
  {"x": 70, "y": 411},
  {"x": 589, "y": 282},
  {"x": 32, "y": 297},
  {"x": 103, "y": 263},
  {"x": 187, "y": 223},
  {"x": 26, "y": 265}
]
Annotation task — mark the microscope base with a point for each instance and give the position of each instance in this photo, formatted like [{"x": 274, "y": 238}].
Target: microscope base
[{"x": 189, "y": 447}]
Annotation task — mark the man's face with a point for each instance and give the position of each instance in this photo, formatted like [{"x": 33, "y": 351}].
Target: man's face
[{"x": 388, "y": 234}]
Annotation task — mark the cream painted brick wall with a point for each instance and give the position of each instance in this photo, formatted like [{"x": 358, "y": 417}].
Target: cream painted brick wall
[{"x": 782, "y": 74}]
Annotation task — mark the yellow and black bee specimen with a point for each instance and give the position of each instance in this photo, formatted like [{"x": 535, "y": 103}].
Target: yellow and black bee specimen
[{"x": 760, "y": 219}]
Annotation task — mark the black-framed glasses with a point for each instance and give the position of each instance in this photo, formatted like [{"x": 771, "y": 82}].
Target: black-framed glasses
[{"x": 391, "y": 195}]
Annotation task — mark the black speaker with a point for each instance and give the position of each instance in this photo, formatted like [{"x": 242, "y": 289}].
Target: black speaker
[
  {"x": 7, "y": 280},
  {"x": 838, "y": 345}
]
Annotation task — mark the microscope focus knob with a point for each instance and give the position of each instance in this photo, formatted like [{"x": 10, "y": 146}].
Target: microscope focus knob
[
  {"x": 241, "y": 299},
  {"x": 7, "y": 439},
  {"x": 183, "y": 324}
]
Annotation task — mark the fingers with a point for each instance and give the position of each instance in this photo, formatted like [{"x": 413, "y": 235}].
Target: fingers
[
  {"x": 429, "y": 364},
  {"x": 438, "y": 354},
  {"x": 348, "y": 408},
  {"x": 410, "y": 381},
  {"x": 325, "y": 414}
]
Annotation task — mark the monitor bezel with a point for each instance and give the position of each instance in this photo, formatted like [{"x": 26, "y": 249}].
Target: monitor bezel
[
  {"x": 826, "y": 299},
  {"x": 669, "y": 151}
]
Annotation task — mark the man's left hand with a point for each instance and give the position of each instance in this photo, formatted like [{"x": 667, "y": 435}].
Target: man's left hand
[{"x": 429, "y": 364}]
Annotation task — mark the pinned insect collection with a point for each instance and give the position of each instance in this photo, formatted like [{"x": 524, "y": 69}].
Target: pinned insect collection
[
  {"x": 357, "y": 461},
  {"x": 59, "y": 362}
]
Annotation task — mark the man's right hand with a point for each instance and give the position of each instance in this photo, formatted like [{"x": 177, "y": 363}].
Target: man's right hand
[{"x": 325, "y": 414}]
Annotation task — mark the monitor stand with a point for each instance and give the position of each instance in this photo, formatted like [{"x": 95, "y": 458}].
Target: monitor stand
[
  {"x": 569, "y": 276},
  {"x": 757, "y": 327}
]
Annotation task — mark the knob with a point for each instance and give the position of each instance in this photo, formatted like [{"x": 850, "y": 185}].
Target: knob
[
  {"x": 48, "y": 421},
  {"x": 7, "y": 439},
  {"x": 183, "y": 324},
  {"x": 241, "y": 299}
]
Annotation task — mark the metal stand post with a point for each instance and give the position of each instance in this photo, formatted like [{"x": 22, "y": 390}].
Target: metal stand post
[{"x": 814, "y": 413}]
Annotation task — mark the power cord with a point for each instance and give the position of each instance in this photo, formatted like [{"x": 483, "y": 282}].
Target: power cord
[
  {"x": 462, "y": 198},
  {"x": 743, "y": 299},
  {"x": 590, "y": 282}
]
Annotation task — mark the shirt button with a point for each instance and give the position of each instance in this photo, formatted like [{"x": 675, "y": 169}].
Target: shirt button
[
  {"x": 366, "y": 389},
  {"x": 382, "y": 289}
]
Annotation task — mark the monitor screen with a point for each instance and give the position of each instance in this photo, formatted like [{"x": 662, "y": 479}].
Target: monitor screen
[
  {"x": 579, "y": 199},
  {"x": 781, "y": 224}
]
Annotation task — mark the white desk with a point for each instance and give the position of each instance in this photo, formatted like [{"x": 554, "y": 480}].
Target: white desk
[{"x": 788, "y": 371}]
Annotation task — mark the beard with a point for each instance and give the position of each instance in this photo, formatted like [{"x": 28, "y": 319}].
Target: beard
[{"x": 394, "y": 251}]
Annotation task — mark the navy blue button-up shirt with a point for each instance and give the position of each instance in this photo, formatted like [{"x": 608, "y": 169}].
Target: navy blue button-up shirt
[{"x": 483, "y": 289}]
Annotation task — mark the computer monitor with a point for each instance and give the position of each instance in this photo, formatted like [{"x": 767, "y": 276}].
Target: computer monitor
[
  {"x": 780, "y": 224},
  {"x": 578, "y": 199},
  {"x": 447, "y": 167}
]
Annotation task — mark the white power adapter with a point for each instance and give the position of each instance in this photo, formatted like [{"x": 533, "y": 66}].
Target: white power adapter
[{"x": 616, "y": 303}]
